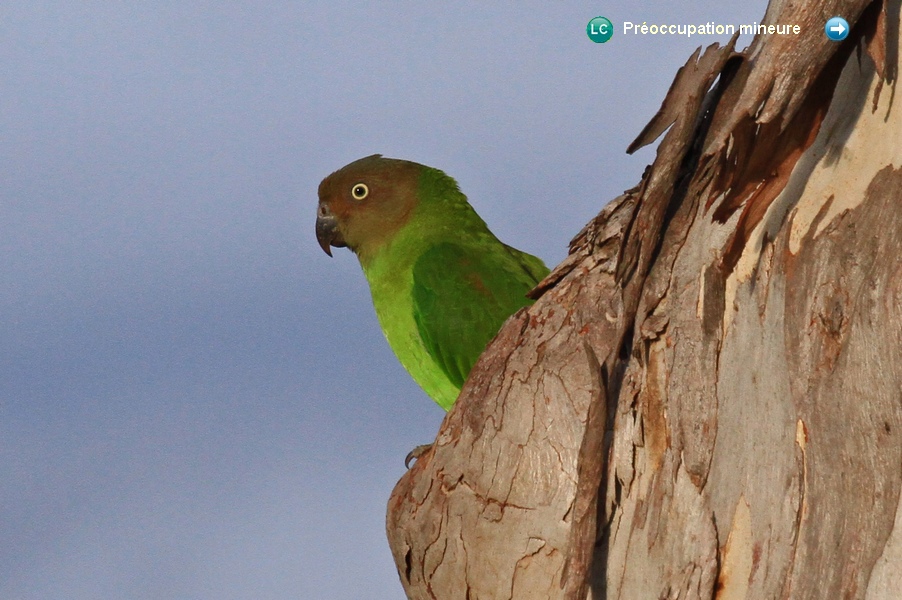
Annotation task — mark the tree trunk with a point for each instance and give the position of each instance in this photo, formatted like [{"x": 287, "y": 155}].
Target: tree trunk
[{"x": 706, "y": 400}]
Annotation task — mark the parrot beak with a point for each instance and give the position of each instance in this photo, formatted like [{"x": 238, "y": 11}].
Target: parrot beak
[{"x": 327, "y": 233}]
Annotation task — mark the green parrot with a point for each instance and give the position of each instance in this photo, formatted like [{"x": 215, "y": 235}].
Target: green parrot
[{"x": 442, "y": 283}]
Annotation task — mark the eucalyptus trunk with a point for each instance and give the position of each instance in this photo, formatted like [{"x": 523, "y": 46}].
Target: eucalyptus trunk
[{"x": 706, "y": 399}]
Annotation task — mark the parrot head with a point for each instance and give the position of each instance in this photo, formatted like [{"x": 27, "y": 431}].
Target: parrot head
[{"x": 363, "y": 204}]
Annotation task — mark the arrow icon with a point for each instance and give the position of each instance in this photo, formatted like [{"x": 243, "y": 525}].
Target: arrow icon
[{"x": 837, "y": 29}]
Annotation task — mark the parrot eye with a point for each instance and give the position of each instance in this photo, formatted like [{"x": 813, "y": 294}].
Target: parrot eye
[{"x": 360, "y": 191}]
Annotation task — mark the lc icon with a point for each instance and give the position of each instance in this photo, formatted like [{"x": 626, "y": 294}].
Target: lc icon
[{"x": 600, "y": 30}]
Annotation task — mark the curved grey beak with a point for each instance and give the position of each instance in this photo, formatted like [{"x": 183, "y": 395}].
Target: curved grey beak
[{"x": 327, "y": 233}]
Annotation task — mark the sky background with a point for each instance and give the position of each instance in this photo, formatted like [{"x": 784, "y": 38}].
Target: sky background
[{"x": 195, "y": 401}]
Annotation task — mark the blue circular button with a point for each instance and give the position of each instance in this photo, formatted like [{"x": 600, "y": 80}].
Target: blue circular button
[{"x": 837, "y": 29}]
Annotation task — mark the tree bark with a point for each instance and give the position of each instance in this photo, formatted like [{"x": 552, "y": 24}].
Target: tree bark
[{"x": 706, "y": 399}]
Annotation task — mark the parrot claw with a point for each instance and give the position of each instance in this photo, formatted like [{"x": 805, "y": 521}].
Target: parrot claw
[{"x": 416, "y": 453}]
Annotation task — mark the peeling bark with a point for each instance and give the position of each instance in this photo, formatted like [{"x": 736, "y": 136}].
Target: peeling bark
[{"x": 706, "y": 399}]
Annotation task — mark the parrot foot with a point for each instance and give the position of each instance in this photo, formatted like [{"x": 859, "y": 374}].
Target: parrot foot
[{"x": 416, "y": 453}]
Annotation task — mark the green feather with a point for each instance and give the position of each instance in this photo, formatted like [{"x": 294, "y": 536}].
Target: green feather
[{"x": 461, "y": 298}]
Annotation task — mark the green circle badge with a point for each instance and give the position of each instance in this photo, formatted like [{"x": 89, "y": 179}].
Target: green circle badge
[{"x": 600, "y": 30}]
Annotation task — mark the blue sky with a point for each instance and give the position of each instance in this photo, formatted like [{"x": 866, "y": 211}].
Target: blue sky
[{"x": 195, "y": 401}]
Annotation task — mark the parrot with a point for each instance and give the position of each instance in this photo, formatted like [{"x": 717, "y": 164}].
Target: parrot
[{"x": 442, "y": 284}]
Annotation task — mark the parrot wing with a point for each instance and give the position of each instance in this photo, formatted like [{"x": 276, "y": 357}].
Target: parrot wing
[{"x": 461, "y": 297}]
